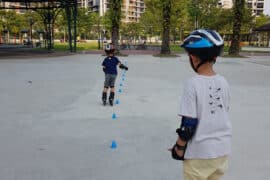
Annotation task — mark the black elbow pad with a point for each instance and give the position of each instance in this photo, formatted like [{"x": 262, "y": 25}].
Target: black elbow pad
[{"x": 187, "y": 128}]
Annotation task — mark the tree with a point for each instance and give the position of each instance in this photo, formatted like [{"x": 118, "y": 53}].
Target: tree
[
  {"x": 203, "y": 12},
  {"x": 85, "y": 21},
  {"x": 179, "y": 19},
  {"x": 238, "y": 8},
  {"x": 49, "y": 18},
  {"x": 166, "y": 26},
  {"x": 130, "y": 31},
  {"x": 12, "y": 22},
  {"x": 115, "y": 19},
  {"x": 151, "y": 18}
]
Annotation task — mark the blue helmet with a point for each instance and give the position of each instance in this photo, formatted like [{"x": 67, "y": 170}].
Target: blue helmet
[{"x": 206, "y": 44}]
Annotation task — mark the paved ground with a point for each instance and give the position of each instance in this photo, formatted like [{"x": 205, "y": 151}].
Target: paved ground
[{"x": 53, "y": 126}]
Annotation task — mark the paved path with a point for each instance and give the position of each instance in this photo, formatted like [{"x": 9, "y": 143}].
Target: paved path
[{"x": 53, "y": 125}]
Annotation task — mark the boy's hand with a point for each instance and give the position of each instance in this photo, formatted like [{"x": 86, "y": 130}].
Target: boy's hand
[
  {"x": 121, "y": 66},
  {"x": 177, "y": 154},
  {"x": 178, "y": 150},
  {"x": 180, "y": 153}
]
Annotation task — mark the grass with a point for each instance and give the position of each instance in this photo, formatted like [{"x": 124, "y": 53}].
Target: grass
[
  {"x": 80, "y": 46},
  {"x": 176, "y": 48}
]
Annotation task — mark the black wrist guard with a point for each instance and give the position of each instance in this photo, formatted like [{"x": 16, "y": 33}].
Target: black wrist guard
[
  {"x": 122, "y": 66},
  {"x": 180, "y": 148}
]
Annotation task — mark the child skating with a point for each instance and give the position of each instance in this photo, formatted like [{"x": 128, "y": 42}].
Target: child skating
[
  {"x": 109, "y": 66},
  {"x": 205, "y": 133}
]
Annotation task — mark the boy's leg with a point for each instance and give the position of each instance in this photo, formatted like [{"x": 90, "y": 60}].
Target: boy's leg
[
  {"x": 104, "y": 95},
  {"x": 105, "y": 89},
  {"x": 222, "y": 166},
  {"x": 112, "y": 83},
  {"x": 111, "y": 97},
  {"x": 205, "y": 169},
  {"x": 193, "y": 170}
]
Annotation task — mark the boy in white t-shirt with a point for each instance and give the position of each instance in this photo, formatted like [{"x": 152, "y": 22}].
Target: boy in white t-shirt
[{"x": 205, "y": 133}]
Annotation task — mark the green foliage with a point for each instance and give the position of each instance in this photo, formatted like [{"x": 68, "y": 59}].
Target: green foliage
[
  {"x": 131, "y": 30},
  {"x": 152, "y": 18},
  {"x": 12, "y": 22},
  {"x": 80, "y": 46},
  {"x": 203, "y": 13},
  {"x": 85, "y": 20},
  {"x": 248, "y": 20},
  {"x": 261, "y": 20}
]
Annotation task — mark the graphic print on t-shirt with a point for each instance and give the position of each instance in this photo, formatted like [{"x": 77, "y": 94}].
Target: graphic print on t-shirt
[{"x": 215, "y": 99}]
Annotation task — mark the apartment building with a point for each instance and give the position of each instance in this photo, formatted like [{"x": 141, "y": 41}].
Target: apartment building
[
  {"x": 257, "y": 6},
  {"x": 92, "y": 5},
  {"x": 13, "y": 5},
  {"x": 226, "y": 4},
  {"x": 131, "y": 9}
]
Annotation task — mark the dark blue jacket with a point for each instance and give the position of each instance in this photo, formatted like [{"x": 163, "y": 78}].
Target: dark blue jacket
[{"x": 110, "y": 64}]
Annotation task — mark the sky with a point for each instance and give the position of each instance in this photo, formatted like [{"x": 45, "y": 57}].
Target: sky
[{"x": 267, "y": 7}]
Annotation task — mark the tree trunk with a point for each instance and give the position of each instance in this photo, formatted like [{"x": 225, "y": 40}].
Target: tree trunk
[
  {"x": 115, "y": 38},
  {"x": 166, "y": 9},
  {"x": 115, "y": 14},
  {"x": 238, "y": 17}
]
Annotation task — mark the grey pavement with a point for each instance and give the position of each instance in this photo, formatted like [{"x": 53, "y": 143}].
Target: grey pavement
[{"x": 54, "y": 127}]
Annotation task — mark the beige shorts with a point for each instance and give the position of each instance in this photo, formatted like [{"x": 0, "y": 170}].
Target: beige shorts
[{"x": 205, "y": 169}]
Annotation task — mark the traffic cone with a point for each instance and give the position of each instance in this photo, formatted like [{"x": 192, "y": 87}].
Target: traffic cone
[
  {"x": 113, "y": 145},
  {"x": 114, "y": 116}
]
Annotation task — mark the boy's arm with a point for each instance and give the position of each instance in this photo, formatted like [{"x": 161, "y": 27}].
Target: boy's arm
[
  {"x": 103, "y": 65},
  {"x": 122, "y": 66},
  {"x": 103, "y": 68},
  {"x": 185, "y": 133}
]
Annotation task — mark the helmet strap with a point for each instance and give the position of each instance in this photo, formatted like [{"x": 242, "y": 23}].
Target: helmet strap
[
  {"x": 199, "y": 65},
  {"x": 192, "y": 65}
]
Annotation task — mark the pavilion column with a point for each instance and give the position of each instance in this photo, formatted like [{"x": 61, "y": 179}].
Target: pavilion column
[{"x": 268, "y": 39}]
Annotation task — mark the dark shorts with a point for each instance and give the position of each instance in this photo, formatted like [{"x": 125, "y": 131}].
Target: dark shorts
[{"x": 109, "y": 80}]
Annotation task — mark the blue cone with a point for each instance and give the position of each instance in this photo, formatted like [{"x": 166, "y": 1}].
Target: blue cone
[
  {"x": 113, "y": 116},
  {"x": 114, "y": 145},
  {"x": 121, "y": 84},
  {"x": 123, "y": 79},
  {"x": 120, "y": 90},
  {"x": 117, "y": 101}
]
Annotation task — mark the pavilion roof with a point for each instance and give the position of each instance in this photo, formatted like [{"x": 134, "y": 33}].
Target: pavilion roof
[{"x": 265, "y": 28}]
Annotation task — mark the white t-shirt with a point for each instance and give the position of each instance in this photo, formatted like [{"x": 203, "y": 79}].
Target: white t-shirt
[{"x": 207, "y": 98}]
